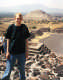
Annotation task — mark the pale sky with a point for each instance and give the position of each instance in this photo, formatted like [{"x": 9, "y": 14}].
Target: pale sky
[
  {"x": 48, "y": 3},
  {"x": 14, "y": 3},
  {"x": 53, "y": 3},
  {"x": 9, "y": 3}
]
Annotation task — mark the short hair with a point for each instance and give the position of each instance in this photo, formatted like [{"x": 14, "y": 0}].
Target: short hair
[{"x": 20, "y": 15}]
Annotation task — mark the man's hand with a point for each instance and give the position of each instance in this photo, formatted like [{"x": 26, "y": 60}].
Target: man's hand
[
  {"x": 27, "y": 49},
  {"x": 26, "y": 55},
  {"x": 7, "y": 55}
]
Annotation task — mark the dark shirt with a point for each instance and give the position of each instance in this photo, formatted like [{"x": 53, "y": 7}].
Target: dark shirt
[{"x": 17, "y": 36}]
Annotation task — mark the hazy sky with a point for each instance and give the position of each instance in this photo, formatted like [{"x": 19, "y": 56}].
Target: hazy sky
[
  {"x": 48, "y": 3},
  {"x": 7, "y": 4}
]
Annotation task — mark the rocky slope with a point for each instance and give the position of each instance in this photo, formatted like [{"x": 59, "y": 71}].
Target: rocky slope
[{"x": 43, "y": 66}]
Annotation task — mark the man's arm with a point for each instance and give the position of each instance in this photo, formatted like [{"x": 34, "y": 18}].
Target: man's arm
[
  {"x": 27, "y": 48},
  {"x": 8, "y": 54},
  {"x": 8, "y": 45}
]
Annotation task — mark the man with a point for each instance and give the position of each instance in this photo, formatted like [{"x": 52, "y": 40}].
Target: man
[{"x": 17, "y": 47}]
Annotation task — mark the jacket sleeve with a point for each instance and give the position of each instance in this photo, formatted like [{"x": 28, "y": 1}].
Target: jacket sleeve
[
  {"x": 27, "y": 33},
  {"x": 8, "y": 32}
]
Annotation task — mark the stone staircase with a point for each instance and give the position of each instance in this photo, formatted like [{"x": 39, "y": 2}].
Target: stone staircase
[{"x": 38, "y": 48}]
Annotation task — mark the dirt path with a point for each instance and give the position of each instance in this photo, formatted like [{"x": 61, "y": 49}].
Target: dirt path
[{"x": 55, "y": 43}]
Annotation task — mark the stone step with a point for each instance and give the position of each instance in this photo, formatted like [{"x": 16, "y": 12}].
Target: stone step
[
  {"x": 33, "y": 51},
  {"x": 36, "y": 47},
  {"x": 31, "y": 54}
]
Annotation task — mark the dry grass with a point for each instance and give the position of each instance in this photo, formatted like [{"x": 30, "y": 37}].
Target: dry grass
[{"x": 54, "y": 26}]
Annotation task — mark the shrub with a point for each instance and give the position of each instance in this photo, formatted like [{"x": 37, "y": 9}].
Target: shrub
[{"x": 34, "y": 27}]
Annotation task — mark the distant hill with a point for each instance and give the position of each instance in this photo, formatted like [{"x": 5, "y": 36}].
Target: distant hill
[
  {"x": 56, "y": 14},
  {"x": 38, "y": 15},
  {"x": 8, "y": 14},
  {"x": 2, "y": 15}
]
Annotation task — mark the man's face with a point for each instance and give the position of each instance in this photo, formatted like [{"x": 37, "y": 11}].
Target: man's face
[{"x": 18, "y": 19}]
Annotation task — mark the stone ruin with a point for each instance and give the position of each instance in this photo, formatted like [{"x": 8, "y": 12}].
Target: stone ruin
[
  {"x": 42, "y": 64},
  {"x": 58, "y": 30}
]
